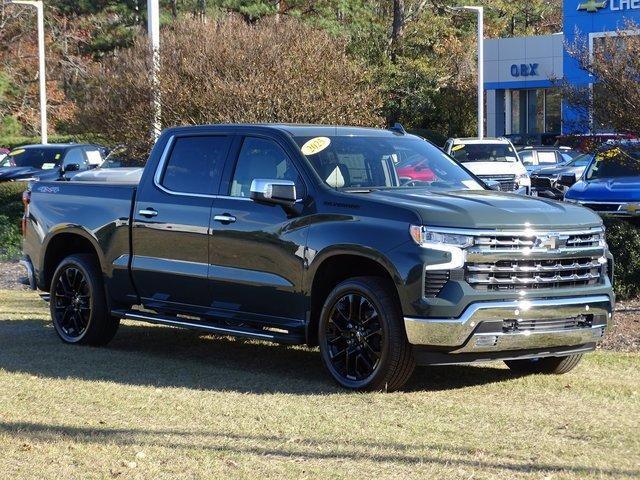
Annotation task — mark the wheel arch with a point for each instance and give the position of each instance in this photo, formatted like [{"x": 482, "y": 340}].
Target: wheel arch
[
  {"x": 61, "y": 244},
  {"x": 334, "y": 266}
]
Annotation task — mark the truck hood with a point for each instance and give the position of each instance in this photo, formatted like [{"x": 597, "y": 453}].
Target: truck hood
[
  {"x": 495, "y": 168},
  {"x": 622, "y": 189},
  {"x": 488, "y": 209}
]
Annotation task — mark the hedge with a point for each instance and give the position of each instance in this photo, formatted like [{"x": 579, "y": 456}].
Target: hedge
[
  {"x": 12, "y": 142},
  {"x": 623, "y": 238},
  {"x": 10, "y": 214}
]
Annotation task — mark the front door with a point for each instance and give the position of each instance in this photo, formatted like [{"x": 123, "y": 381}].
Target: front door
[
  {"x": 256, "y": 251},
  {"x": 171, "y": 223}
]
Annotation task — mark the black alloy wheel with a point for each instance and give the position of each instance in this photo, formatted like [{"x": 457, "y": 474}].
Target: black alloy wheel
[
  {"x": 78, "y": 302},
  {"x": 71, "y": 303},
  {"x": 362, "y": 338},
  {"x": 354, "y": 337}
]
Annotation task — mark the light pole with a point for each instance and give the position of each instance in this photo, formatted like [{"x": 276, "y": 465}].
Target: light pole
[
  {"x": 480, "y": 12},
  {"x": 43, "y": 81},
  {"x": 153, "y": 26}
]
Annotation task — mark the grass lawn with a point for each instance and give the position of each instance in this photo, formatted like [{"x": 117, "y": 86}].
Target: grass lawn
[{"x": 166, "y": 403}]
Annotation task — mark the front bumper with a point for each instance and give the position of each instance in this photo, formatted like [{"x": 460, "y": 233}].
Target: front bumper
[{"x": 481, "y": 327}]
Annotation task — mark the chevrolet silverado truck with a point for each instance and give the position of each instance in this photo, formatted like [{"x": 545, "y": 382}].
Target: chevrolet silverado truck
[{"x": 305, "y": 235}]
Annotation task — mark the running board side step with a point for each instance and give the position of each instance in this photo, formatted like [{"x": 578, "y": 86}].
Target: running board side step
[{"x": 149, "y": 317}]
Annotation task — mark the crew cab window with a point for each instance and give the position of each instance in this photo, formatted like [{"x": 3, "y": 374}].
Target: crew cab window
[
  {"x": 262, "y": 158},
  {"x": 195, "y": 164}
]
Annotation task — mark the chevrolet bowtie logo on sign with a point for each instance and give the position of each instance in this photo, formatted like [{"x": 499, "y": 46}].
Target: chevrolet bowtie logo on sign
[
  {"x": 630, "y": 208},
  {"x": 592, "y": 6}
]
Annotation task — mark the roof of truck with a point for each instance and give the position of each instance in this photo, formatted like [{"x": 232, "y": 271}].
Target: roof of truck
[{"x": 303, "y": 130}]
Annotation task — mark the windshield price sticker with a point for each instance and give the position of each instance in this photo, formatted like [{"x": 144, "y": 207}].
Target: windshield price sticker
[
  {"x": 17, "y": 152},
  {"x": 315, "y": 145}
]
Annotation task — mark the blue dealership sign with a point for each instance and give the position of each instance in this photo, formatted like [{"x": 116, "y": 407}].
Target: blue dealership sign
[{"x": 524, "y": 70}]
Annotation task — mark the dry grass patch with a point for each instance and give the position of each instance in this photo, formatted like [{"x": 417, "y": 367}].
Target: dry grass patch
[{"x": 165, "y": 403}]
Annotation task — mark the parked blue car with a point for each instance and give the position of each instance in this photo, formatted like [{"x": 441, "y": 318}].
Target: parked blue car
[
  {"x": 49, "y": 162},
  {"x": 611, "y": 183}
]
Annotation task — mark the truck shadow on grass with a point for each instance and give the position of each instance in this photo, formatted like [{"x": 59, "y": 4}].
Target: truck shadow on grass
[
  {"x": 314, "y": 449},
  {"x": 168, "y": 357}
]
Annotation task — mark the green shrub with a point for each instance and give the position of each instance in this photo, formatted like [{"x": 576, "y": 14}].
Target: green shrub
[
  {"x": 10, "y": 214},
  {"x": 624, "y": 241}
]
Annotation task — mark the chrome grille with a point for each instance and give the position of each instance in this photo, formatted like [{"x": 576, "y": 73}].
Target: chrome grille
[
  {"x": 507, "y": 182},
  {"x": 521, "y": 242},
  {"x": 533, "y": 274}
]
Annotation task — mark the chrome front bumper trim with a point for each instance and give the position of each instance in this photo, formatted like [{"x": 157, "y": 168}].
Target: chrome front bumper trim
[{"x": 459, "y": 332}]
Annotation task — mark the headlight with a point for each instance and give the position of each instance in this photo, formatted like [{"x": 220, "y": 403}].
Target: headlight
[
  {"x": 523, "y": 180},
  {"x": 450, "y": 245},
  {"x": 425, "y": 237}
]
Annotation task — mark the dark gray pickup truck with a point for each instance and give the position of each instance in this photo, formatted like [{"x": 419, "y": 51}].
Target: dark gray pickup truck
[{"x": 306, "y": 235}]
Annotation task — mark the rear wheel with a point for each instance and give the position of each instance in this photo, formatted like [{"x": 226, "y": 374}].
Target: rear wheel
[
  {"x": 362, "y": 338},
  {"x": 549, "y": 365},
  {"x": 78, "y": 304}
]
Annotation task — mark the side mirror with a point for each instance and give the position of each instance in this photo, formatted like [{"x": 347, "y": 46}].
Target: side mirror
[
  {"x": 567, "y": 180},
  {"x": 493, "y": 185},
  {"x": 275, "y": 192},
  {"x": 72, "y": 167}
]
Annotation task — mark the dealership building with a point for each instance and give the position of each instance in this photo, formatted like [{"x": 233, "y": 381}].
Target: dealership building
[{"x": 522, "y": 75}]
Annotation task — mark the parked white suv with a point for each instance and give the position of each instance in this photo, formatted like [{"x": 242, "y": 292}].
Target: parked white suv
[{"x": 491, "y": 159}]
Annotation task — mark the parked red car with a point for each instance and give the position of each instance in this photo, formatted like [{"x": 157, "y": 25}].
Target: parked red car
[{"x": 416, "y": 169}]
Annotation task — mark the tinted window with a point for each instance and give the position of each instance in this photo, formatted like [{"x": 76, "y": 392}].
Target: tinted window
[
  {"x": 547, "y": 157},
  {"x": 619, "y": 161},
  {"x": 527, "y": 157},
  {"x": 45, "y": 158},
  {"x": 262, "y": 158},
  {"x": 484, "y": 152},
  {"x": 383, "y": 162},
  {"x": 195, "y": 164},
  {"x": 75, "y": 155}
]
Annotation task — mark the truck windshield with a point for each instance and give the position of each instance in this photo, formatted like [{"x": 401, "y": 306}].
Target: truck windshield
[
  {"x": 349, "y": 162},
  {"x": 618, "y": 161},
  {"x": 484, "y": 152},
  {"x": 42, "y": 158}
]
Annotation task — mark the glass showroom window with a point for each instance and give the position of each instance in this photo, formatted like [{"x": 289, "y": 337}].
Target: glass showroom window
[{"x": 535, "y": 111}]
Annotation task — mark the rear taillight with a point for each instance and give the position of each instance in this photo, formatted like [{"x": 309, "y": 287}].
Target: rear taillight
[{"x": 26, "y": 200}]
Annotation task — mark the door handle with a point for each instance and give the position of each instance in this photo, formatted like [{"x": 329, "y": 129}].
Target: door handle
[
  {"x": 226, "y": 218},
  {"x": 148, "y": 212}
]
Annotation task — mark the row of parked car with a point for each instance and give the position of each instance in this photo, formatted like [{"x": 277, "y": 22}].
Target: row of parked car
[{"x": 607, "y": 179}]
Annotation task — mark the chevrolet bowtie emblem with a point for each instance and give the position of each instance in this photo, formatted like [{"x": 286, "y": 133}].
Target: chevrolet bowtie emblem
[
  {"x": 552, "y": 242},
  {"x": 630, "y": 208},
  {"x": 592, "y": 6}
]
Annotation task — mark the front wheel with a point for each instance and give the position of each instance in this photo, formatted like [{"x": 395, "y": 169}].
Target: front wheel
[
  {"x": 362, "y": 338},
  {"x": 78, "y": 303},
  {"x": 548, "y": 365}
]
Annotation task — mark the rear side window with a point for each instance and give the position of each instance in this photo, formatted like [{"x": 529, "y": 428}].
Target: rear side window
[
  {"x": 195, "y": 164},
  {"x": 527, "y": 158},
  {"x": 547, "y": 157}
]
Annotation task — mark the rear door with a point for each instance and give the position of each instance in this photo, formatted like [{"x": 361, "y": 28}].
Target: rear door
[{"x": 171, "y": 222}]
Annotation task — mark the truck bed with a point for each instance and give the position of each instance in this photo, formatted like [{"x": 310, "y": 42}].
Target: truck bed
[{"x": 100, "y": 212}]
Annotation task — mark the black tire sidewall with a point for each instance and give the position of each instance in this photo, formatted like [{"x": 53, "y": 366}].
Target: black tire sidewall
[
  {"x": 81, "y": 264},
  {"x": 358, "y": 287}
]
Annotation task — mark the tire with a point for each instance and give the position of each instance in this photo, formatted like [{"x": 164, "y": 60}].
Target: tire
[
  {"x": 362, "y": 339},
  {"x": 78, "y": 303},
  {"x": 548, "y": 365}
]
